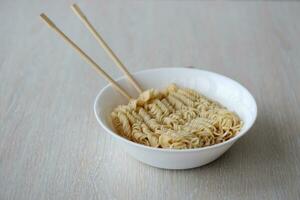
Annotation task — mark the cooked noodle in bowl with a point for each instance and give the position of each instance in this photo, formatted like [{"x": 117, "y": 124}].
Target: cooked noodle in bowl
[{"x": 189, "y": 118}]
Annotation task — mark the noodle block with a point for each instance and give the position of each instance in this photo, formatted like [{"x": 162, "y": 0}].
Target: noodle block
[{"x": 175, "y": 118}]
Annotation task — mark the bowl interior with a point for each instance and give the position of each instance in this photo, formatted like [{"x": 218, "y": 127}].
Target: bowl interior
[{"x": 217, "y": 87}]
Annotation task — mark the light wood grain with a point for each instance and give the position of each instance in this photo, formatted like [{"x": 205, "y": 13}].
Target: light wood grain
[{"x": 51, "y": 146}]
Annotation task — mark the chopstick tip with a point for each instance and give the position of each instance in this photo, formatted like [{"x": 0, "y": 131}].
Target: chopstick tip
[
  {"x": 42, "y": 15},
  {"x": 78, "y": 11},
  {"x": 74, "y": 6},
  {"x": 46, "y": 19}
]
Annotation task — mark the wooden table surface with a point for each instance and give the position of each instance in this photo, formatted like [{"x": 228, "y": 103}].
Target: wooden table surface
[{"x": 51, "y": 146}]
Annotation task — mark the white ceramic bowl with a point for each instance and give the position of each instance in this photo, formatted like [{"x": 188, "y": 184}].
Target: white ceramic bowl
[{"x": 217, "y": 87}]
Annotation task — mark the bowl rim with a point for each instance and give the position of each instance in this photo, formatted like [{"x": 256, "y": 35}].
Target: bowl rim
[{"x": 233, "y": 139}]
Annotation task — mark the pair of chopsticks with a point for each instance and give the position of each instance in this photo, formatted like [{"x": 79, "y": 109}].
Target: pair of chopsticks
[{"x": 88, "y": 59}]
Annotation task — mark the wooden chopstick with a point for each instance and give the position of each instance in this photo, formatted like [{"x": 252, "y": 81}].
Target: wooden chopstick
[
  {"x": 85, "y": 56},
  {"x": 105, "y": 46}
]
